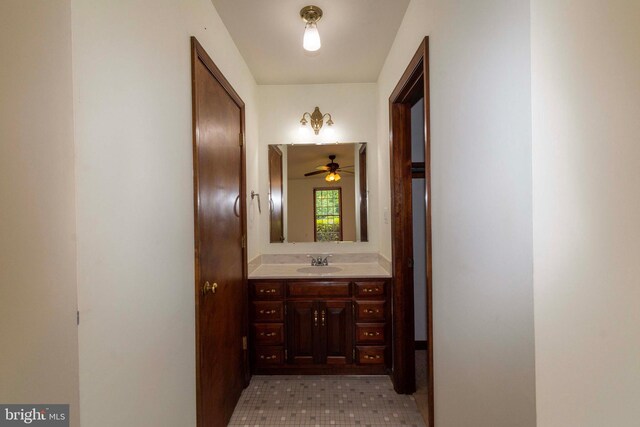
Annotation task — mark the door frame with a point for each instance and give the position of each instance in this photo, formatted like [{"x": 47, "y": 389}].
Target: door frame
[
  {"x": 413, "y": 85},
  {"x": 199, "y": 54}
]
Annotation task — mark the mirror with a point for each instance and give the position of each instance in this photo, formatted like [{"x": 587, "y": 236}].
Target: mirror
[{"x": 318, "y": 193}]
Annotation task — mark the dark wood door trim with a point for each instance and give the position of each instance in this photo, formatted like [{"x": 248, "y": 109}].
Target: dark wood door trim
[
  {"x": 413, "y": 85},
  {"x": 199, "y": 54}
]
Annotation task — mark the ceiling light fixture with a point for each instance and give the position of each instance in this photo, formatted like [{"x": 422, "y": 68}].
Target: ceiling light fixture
[
  {"x": 317, "y": 120},
  {"x": 333, "y": 177},
  {"x": 311, "y": 15}
]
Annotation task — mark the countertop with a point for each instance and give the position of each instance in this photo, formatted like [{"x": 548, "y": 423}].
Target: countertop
[{"x": 305, "y": 271}]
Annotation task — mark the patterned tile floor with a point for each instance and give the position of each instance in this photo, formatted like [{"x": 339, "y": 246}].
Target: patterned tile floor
[{"x": 291, "y": 400}]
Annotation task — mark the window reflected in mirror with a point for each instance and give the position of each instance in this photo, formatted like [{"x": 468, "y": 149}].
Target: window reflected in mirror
[{"x": 318, "y": 193}]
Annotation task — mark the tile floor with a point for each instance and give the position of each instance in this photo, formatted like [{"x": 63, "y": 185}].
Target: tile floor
[{"x": 291, "y": 400}]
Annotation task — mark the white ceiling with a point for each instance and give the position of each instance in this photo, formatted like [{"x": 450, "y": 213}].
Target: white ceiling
[{"x": 356, "y": 37}]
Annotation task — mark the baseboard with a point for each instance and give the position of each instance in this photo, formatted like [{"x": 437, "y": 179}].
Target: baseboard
[{"x": 421, "y": 345}]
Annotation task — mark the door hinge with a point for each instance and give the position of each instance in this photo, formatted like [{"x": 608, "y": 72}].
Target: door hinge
[
  {"x": 410, "y": 262},
  {"x": 286, "y": 355},
  {"x": 78, "y": 317},
  {"x": 244, "y": 241},
  {"x": 354, "y": 354},
  {"x": 241, "y": 139},
  {"x": 244, "y": 343}
]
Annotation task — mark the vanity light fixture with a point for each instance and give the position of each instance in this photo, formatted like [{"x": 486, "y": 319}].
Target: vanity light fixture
[
  {"x": 311, "y": 15},
  {"x": 317, "y": 120}
]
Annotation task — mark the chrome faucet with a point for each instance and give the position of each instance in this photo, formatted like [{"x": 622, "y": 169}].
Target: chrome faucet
[{"x": 319, "y": 261}]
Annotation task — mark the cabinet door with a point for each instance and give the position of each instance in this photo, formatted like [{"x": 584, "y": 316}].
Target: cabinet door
[
  {"x": 303, "y": 319},
  {"x": 337, "y": 332}
]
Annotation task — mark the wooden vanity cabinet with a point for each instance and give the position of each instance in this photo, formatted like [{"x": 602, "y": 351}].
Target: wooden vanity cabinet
[
  {"x": 320, "y": 332},
  {"x": 320, "y": 326}
]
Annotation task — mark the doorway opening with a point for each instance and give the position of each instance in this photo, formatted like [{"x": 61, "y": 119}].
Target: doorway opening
[{"x": 411, "y": 226}]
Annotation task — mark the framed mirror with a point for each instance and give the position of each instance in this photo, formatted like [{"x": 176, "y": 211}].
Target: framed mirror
[{"x": 318, "y": 193}]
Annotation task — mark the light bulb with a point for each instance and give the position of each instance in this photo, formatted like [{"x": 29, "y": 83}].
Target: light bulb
[{"x": 311, "y": 41}]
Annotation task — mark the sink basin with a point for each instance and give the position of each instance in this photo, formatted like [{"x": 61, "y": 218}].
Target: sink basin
[{"x": 319, "y": 269}]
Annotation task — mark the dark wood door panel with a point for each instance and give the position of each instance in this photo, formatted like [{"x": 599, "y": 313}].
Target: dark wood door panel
[
  {"x": 338, "y": 326},
  {"x": 219, "y": 229},
  {"x": 303, "y": 318}
]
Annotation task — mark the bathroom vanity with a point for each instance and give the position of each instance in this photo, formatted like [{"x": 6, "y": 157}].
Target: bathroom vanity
[{"x": 310, "y": 322}]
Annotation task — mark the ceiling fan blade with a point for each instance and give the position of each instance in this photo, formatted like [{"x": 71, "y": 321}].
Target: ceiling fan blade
[
  {"x": 314, "y": 173},
  {"x": 323, "y": 168},
  {"x": 344, "y": 171},
  {"x": 350, "y": 166}
]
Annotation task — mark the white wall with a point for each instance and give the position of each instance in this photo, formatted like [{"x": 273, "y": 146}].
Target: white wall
[
  {"x": 39, "y": 350},
  {"x": 481, "y": 194},
  {"x": 134, "y": 168},
  {"x": 586, "y": 206},
  {"x": 353, "y": 108}
]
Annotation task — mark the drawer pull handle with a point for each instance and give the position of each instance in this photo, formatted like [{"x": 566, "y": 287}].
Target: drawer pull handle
[
  {"x": 267, "y": 312},
  {"x": 272, "y": 357},
  {"x": 377, "y": 356},
  {"x": 267, "y": 334},
  {"x": 315, "y": 318},
  {"x": 267, "y": 291},
  {"x": 371, "y": 311},
  {"x": 372, "y": 334}
]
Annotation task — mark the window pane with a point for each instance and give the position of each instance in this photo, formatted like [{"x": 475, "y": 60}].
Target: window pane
[{"x": 327, "y": 215}]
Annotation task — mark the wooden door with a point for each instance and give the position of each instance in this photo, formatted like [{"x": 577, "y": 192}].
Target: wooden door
[
  {"x": 302, "y": 324},
  {"x": 218, "y": 115},
  {"x": 275, "y": 194},
  {"x": 337, "y": 324}
]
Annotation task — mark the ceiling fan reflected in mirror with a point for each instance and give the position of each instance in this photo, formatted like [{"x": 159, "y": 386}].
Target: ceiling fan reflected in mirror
[{"x": 331, "y": 169}]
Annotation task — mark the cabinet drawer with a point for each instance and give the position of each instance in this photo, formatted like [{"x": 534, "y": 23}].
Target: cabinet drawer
[
  {"x": 268, "y": 333},
  {"x": 318, "y": 289},
  {"x": 269, "y": 356},
  {"x": 370, "y": 355},
  {"x": 267, "y": 290},
  {"x": 369, "y": 289},
  {"x": 370, "y": 333},
  {"x": 370, "y": 310},
  {"x": 268, "y": 311}
]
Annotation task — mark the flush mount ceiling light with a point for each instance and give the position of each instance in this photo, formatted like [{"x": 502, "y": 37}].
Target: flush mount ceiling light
[
  {"x": 317, "y": 120},
  {"x": 311, "y": 15}
]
